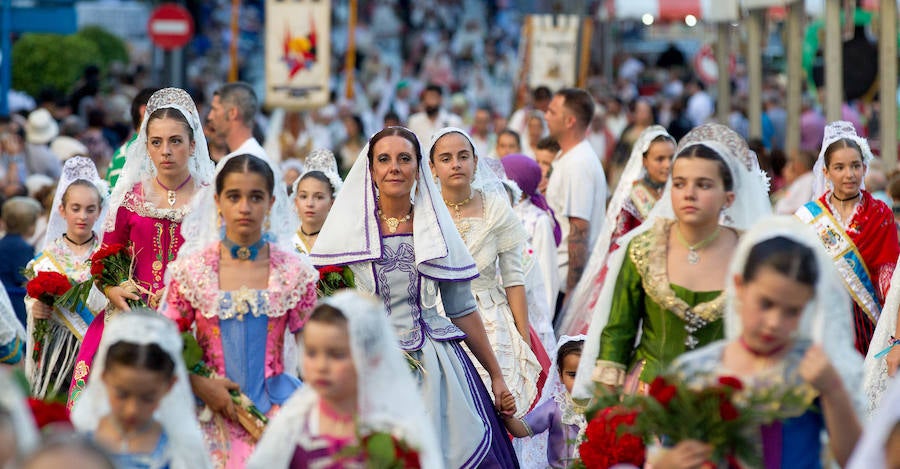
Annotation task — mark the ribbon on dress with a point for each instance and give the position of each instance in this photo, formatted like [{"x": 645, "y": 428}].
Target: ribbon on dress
[{"x": 845, "y": 255}]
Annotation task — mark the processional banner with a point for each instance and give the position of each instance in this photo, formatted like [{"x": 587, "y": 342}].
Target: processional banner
[{"x": 298, "y": 53}]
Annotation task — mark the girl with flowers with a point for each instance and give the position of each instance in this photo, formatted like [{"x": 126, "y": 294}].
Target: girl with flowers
[
  {"x": 166, "y": 165},
  {"x": 242, "y": 287},
  {"x": 358, "y": 389},
  {"x": 788, "y": 326},
  {"x": 55, "y": 332}
]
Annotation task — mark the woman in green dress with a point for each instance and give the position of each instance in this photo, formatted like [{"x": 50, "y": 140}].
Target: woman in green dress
[{"x": 667, "y": 295}]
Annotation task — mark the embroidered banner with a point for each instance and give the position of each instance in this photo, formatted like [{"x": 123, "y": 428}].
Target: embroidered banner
[
  {"x": 845, "y": 255},
  {"x": 298, "y": 53}
]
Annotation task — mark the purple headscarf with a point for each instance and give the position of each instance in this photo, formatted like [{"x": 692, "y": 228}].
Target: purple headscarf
[{"x": 527, "y": 174}]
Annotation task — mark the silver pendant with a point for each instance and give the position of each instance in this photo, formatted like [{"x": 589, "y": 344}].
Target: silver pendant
[{"x": 693, "y": 257}]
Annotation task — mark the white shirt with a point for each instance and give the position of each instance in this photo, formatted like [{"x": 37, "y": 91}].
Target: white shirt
[
  {"x": 577, "y": 189},
  {"x": 796, "y": 195},
  {"x": 250, "y": 146},
  {"x": 700, "y": 108},
  {"x": 424, "y": 127}
]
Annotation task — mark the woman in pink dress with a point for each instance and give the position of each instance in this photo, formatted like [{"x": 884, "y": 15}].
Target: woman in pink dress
[{"x": 165, "y": 166}]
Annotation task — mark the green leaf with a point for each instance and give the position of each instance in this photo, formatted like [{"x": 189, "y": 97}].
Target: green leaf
[
  {"x": 192, "y": 353},
  {"x": 380, "y": 449}
]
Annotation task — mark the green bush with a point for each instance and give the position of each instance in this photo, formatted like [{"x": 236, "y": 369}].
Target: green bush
[
  {"x": 111, "y": 47},
  {"x": 50, "y": 60}
]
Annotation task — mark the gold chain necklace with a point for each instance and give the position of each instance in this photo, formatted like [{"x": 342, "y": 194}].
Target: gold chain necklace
[
  {"x": 462, "y": 226},
  {"x": 394, "y": 222},
  {"x": 693, "y": 256}
]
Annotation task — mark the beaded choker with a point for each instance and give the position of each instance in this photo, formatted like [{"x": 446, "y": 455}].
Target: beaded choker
[{"x": 244, "y": 253}]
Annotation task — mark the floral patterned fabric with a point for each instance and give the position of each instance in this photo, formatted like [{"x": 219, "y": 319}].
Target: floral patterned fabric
[{"x": 285, "y": 304}]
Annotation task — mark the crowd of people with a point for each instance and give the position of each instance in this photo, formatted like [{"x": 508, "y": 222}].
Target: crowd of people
[{"x": 462, "y": 281}]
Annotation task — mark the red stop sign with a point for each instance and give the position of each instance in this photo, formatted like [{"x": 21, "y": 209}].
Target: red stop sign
[{"x": 170, "y": 26}]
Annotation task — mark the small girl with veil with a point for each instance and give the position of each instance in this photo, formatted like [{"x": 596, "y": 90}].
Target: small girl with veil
[
  {"x": 555, "y": 424},
  {"x": 138, "y": 404},
  {"x": 357, "y": 384}
]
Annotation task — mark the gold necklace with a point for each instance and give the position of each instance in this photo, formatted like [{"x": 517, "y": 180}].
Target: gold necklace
[
  {"x": 462, "y": 226},
  {"x": 694, "y": 257},
  {"x": 394, "y": 222}
]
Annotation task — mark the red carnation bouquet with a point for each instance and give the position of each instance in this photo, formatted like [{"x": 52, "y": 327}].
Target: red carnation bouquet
[
  {"x": 249, "y": 416},
  {"x": 607, "y": 441},
  {"x": 48, "y": 288},
  {"x": 333, "y": 278},
  {"x": 48, "y": 413},
  {"x": 113, "y": 266},
  {"x": 382, "y": 450},
  {"x": 717, "y": 410}
]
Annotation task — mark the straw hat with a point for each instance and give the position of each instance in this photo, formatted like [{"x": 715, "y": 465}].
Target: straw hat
[{"x": 41, "y": 127}]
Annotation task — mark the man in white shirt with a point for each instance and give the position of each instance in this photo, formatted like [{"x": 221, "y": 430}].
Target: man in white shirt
[
  {"x": 234, "y": 106},
  {"x": 540, "y": 99},
  {"x": 576, "y": 190},
  {"x": 798, "y": 174},
  {"x": 432, "y": 117},
  {"x": 481, "y": 133},
  {"x": 700, "y": 105}
]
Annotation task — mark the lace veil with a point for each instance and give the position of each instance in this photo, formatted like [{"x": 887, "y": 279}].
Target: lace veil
[
  {"x": 827, "y": 319},
  {"x": 576, "y": 313},
  {"x": 388, "y": 398},
  {"x": 321, "y": 160},
  {"x": 138, "y": 165},
  {"x": 751, "y": 202},
  {"x": 870, "y": 450},
  {"x": 176, "y": 410},
  {"x": 201, "y": 225},
  {"x": 534, "y": 449},
  {"x": 75, "y": 168},
  {"x": 14, "y": 401},
  {"x": 835, "y": 131}
]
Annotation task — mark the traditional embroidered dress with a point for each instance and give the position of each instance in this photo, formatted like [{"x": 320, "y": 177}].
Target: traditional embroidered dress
[
  {"x": 646, "y": 302},
  {"x": 242, "y": 334},
  {"x": 671, "y": 319},
  {"x": 636, "y": 208},
  {"x": 864, "y": 250},
  {"x": 155, "y": 235},
  {"x": 152, "y": 229},
  {"x": 50, "y": 373},
  {"x": 495, "y": 240},
  {"x": 407, "y": 271},
  {"x": 12, "y": 334}
]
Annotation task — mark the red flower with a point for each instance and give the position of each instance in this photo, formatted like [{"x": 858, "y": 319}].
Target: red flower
[
  {"x": 184, "y": 324},
  {"x": 106, "y": 251},
  {"x": 605, "y": 447},
  {"x": 329, "y": 269},
  {"x": 47, "y": 286},
  {"x": 46, "y": 413},
  {"x": 662, "y": 391},
  {"x": 408, "y": 457},
  {"x": 731, "y": 382},
  {"x": 727, "y": 411}
]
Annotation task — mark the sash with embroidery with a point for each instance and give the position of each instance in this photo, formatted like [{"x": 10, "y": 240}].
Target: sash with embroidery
[
  {"x": 845, "y": 255},
  {"x": 643, "y": 198},
  {"x": 76, "y": 321}
]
